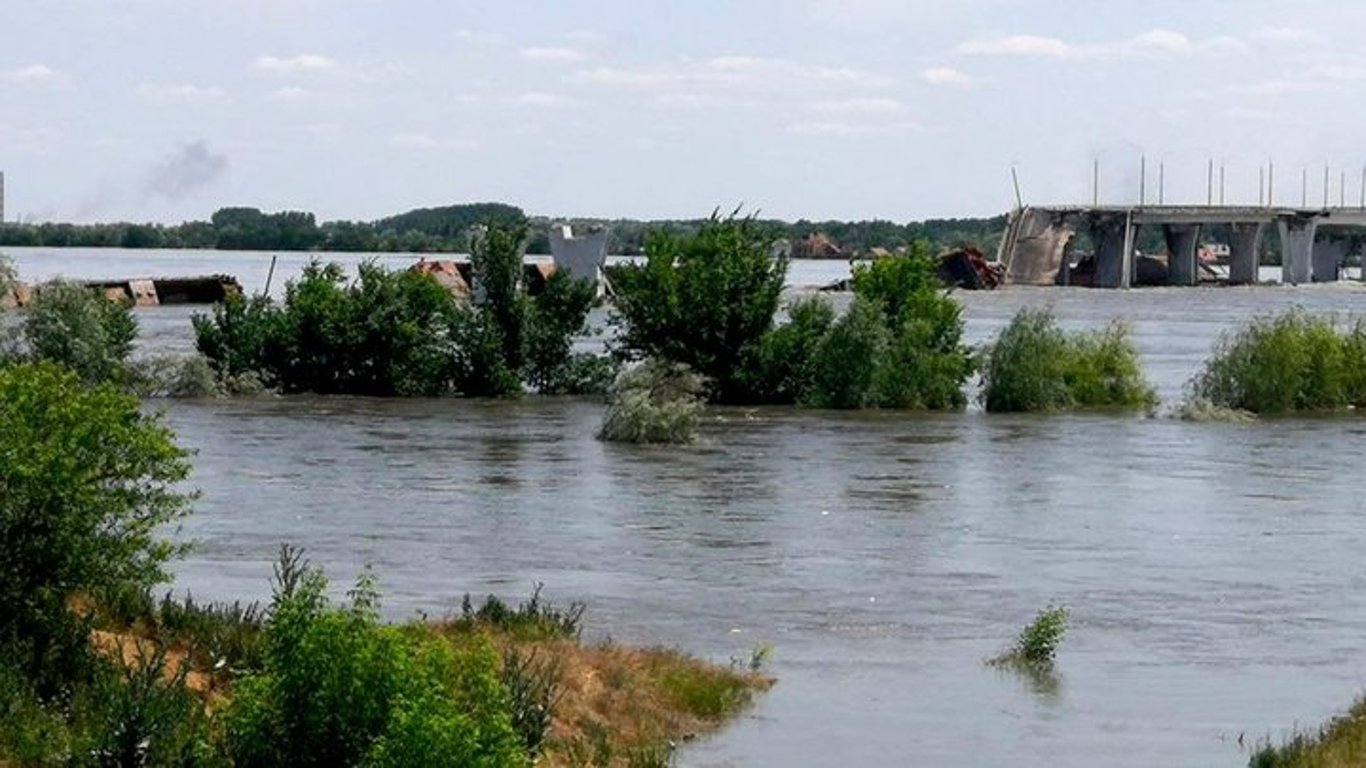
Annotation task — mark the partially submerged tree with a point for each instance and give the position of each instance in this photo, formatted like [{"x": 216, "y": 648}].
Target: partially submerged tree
[{"x": 704, "y": 300}]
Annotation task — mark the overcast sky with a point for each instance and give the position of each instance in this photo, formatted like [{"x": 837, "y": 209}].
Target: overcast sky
[{"x": 168, "y": 109}]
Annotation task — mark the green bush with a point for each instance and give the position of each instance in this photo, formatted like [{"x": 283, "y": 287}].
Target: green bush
[
  {"x": 237, "y": 337},
  {"x": 89, "y": 485},
  {"x": 339, "y": 688},
  {"x": 703, "y": 300},
  {"x": 76, "y": 326},
  {"x": 554, "y": 317},
  {"x": 1294, "y": 361},
  {"x": 847, "y": 358},
  {"x": 783, "y": 370},
  {"x": 898, "y": 346},
  {"x": 1035, "y": 366},
  {"x": 400, "y": 333},
  {"x": 655, "y": 402}
]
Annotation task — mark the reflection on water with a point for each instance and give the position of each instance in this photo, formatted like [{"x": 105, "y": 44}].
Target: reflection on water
[{"x": 1211, "y": 571}]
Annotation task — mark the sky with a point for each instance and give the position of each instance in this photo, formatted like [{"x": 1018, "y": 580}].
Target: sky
[{"x": 165, "y": 110}]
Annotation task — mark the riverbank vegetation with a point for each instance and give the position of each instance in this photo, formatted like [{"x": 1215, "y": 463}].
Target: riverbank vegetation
[
  {"x": 1341, "y": 743},
  {"x": 1289, "y": 362},
  {"x": 451, "y": 229},
  {"x": 400, "y": 333},
  {"x": 1034, "y": 365}
]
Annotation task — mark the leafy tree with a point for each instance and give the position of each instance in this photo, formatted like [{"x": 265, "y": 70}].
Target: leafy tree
[
  {"x": 783, "y": 371},
  {"x": 705, "y": 301},
  {"x": 496, "y": 261},
  {"x": 89, "y": 484},
  {"x": 74, "y": 325},
  {"x": 554, "y": 317}
]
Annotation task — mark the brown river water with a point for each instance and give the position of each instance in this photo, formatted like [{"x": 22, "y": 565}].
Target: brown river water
[{"x": 1213, "y": 572}]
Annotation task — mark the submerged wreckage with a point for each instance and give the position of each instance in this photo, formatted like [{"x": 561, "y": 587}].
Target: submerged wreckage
[{"x": 145, "y": 292}]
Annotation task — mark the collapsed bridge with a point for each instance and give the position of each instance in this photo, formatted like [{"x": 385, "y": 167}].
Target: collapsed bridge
[{"x": 1035, "y": 249}]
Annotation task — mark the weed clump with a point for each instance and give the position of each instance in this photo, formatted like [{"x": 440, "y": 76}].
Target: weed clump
[
  {"x": 1037, "y": 644},
  {"x": 1035, "y": 366},
  {"x": 1294, "y": 361},
  {"x": 534, "y": 619},
  {"x": 655, "y": 402}
]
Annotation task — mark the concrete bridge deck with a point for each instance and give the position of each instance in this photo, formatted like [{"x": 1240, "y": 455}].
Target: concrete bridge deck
[{"x": 1036, "y": 244}]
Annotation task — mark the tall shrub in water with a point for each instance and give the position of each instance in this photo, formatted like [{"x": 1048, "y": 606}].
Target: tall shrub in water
[
  {"x": 655, "y": 402},
  {"x": 1294, "y": 361},
  {"x": 1035, "y": 366},
  {"x": 88, "y": 484},
  {"x": 704, "y": 300},
  {"x": 899, "y": 346}
]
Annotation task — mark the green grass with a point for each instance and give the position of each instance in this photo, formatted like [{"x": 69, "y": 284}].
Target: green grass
[{"x": 1340, "y": 743}]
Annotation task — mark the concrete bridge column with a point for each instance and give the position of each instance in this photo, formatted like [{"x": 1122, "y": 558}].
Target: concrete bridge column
[
  {"x": 1182, "y": 240},
  {"x": 1242, "y": 252},
  {"x": 1328, "y": 259},
  {"x": 1114, "y": 238},
  {"x": 1297, "y": 249}
]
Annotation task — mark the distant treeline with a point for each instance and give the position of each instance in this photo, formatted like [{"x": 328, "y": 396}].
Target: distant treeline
[{"x": 448, "y": 229}]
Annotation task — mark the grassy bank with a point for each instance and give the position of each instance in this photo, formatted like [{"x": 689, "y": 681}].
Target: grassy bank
[
  {"x": 1339, "y": 744},
  {"x": 227, "y": 684}
]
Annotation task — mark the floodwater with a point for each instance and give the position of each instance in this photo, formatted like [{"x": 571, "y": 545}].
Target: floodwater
[{"x": 1213, "y": 572}]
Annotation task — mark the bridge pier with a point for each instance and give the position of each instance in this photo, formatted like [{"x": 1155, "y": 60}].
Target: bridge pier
[
  {"x": 1242, "y": 253},
  {"x": 1114, "y": 239},
  {"x": 1329, "y": 256},
  {"x": 1297, "y": 249},
  {"x": 1182, "y": 241}
]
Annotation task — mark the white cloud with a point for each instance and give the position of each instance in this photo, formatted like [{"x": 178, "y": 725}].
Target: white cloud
[
  {"x": 1284, "y": 35},
  {"x": 947, "y": 76},
  {"x": 1152, "y": 42},
  {"x": 477, "y": 37},
  {"x": 553, "y": 55},
  {"x": 184, "y": 93},
  {"x": 542, "y": 99},
  {"x": 841, "y": 129},
  {"x": 1025, "y": 45},
  {"x": 1340, "y": 72},
  {"x": 33, "y": 74},
  {"x": 291, "y": 93},
  {"x": 1284, "y": 86},
  {"x": 20, "y": 139},
  {"x": 414, "y": 141},
  {"x": 748, "y": 75},
  {"x": 304, "y": 62},
  {"x": 868, "y": 105},
  {"x": 1162, "y": 41}
]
